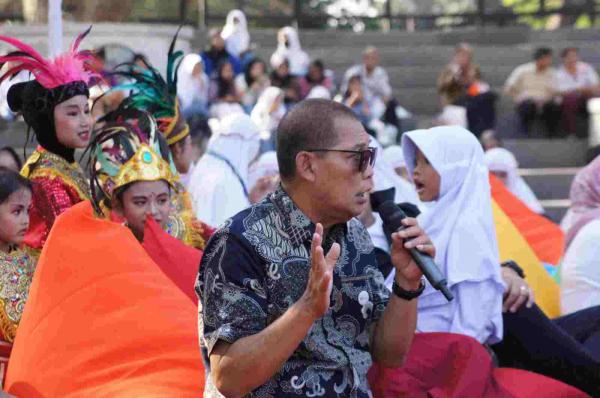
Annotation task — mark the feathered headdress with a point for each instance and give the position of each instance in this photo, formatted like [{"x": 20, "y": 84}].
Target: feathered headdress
[
  {"x": 56, "y": 81},
  {"x": 125, "y": 149},
  {"x": 66, "y": 68},
  {"x": 155, "y": 94}
]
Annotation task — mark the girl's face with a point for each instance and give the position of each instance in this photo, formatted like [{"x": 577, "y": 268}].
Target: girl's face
[
  {"x": 257, "y": 70},
  {"x": 354, "y": 85},
  {"x": 283, "y": 69},
  {"x": 197, "y": 71},
  {"x": 426, "y": 179},
  {"x": 73, "y": 122},
  {"x": 14, "y": 218},
  {"x": 142, "y": 199},
  {"x": 502, "y": 175},
  {"x": 315, "y": 73},
  {"x": 227, "y": 72}
]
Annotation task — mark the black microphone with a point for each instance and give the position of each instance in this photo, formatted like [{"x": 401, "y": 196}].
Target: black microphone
[{"x": 392, "y": 217}]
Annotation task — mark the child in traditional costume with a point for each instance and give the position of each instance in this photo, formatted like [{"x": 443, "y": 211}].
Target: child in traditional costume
[
  {"x": 55, "y": 105},
  {"x": 17, "y": 262},
  {"x": 150, "y": 92}
]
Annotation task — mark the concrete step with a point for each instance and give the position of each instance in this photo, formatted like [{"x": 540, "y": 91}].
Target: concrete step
[
  {"x": 556, "y": 209},
  {"x": 537, "y": 153},
  {"x": 550, "y": 186}
]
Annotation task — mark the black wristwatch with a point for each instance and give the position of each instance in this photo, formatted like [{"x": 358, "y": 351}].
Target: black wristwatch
[
  {"x": 408, "y": 294},
  {"x": 515, "y": 267}
]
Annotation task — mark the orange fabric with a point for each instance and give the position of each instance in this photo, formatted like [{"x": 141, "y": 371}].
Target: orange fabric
[
  {"x": 525, "y": 384},
  {"x": 103, "y": 320},
  {"x": 545, "y": 237}
]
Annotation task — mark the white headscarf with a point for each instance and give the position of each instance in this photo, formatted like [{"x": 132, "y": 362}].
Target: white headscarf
[
  {"x": 298, "y": 59},
  {"x": 319, "y": 92},
  {"x": 394, "y": 156},
  {"x": 460, "y": 223},
  {"x": 236, "y": 36},
  {"x": 261, "y": 115},
  {"x": 385, "y": 177},
  {"x": 265, "y": 166},
  {"x": 501, "y": 160},
  {"x": 189, "y": 88},
  {"x": 219, "y": 183}
]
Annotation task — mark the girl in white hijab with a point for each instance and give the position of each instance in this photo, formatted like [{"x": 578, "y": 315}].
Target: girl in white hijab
[
  {"x": 219, "y": 184},
  {"x": 288, "y": 47},
  {"x": 192, "y": 86},
  {"x": 267, "y": 113},
  {"x": 504, "y": 165},
  {"x": 235, "y": 33},
  {"x": 447, "y": 167}
]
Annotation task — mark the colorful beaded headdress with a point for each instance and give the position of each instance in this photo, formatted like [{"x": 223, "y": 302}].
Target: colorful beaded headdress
[
  {"x": 126, "y": 148},
  {"x": 153, "y": 94}
]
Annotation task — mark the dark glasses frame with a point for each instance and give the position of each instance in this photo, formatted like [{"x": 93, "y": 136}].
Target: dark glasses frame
[{"x": 367, "y": 156}]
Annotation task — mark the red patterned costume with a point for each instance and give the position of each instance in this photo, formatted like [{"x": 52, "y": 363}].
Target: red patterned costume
[{"x": 57, "y": 185}]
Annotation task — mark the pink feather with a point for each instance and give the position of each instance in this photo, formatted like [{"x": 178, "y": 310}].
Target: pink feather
[{"x": 65, "y": 68}]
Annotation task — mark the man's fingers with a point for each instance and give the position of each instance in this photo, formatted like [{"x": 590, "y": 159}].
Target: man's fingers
[
  {"x": 520, "y": 301},
  {"x": 410, "y": 232},
  {"x": 511, "y": 296},
  {"x": 419, "y": 240},
  {"x": 427, "y": 248},
  {"x": 333, "y": 255}
]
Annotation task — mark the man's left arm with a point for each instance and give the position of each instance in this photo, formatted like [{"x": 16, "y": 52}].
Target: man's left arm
[{"x": 396, "y": 328}]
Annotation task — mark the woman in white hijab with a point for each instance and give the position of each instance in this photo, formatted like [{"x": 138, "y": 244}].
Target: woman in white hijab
[
  {"x": 447, "y": 167},
  {"x": 192, "y": 86},
  {"x": 267, "y": 113},
  {"x": 219, "y": 184},
  {"x": 288, "y": 47},
  {"x": 504, "y": 165},
  {"x": 235, "y": 33}
]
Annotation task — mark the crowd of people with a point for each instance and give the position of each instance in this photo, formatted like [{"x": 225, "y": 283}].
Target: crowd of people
[{"x": 224, "y": 231}]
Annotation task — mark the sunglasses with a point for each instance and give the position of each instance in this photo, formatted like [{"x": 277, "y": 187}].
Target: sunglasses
[{"x": 366, "y": 156}]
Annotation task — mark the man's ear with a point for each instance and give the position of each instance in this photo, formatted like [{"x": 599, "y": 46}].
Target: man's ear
[{"x": 306, "y": 165}]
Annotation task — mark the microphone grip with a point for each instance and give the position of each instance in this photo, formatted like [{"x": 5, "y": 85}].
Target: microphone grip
[{"x": 432, "y": 273}]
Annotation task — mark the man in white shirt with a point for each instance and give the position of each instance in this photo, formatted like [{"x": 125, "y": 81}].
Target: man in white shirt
[
  {"x": 577, "y": 82},
  {"x": 533, "y": 88},
  {"x": 374, "y": 77}
]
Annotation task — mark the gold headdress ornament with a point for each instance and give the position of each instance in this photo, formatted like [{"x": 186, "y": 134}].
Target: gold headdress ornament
[{"x": 127, "y": 149}]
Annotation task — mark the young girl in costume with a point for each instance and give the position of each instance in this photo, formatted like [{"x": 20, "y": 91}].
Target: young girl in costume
[
  {"x": 158, "y": 96},
  {"x": 55, "y": 105},
  {"x": 17, "y": 262}
]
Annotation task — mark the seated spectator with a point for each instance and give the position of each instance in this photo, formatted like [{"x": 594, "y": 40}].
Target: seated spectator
[
  {"x": 580, "y": 271},
  {"x": 10, "y": 160},
  {"x": 219, "y": 184},
  {"x": 267, "y": 114},
  {"x": 224, "y": 97},
  {"x": 282, "y": 78},
  {"x": 252, "y": 83},
  {"x": 217, "y": 54},
  {"x": 373, "y": 76},
  {"x": 532, "y": 86},
  {"x": 235, "y": 33},
  {"x": 489, "y": 140},
  {"x": 577, "y": 82},
  {"x": 288, "y": 47},
  {"x": 503, "y": 164},
  {"x": 460, "y": 68},
  {"x": 316, "y": 76},
  {"x": 192, "y": 86},
  {"x": 358, "y": 100}
]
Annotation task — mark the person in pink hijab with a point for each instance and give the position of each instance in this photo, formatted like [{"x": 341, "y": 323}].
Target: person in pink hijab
[{"x": 580, "y": 271}]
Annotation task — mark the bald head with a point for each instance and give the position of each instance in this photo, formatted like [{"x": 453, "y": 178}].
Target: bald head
[
  {"x": 309, "y": 125},
  {"x": 371, "y": 58}
]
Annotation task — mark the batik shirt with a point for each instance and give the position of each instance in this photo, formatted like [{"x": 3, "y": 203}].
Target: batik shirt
[{"x": 256, "y": 266}]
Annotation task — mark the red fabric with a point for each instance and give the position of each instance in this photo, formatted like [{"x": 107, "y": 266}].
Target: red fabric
[
  {"x": 525, "y": 384},
  {"x": 51, "y": 197},
  {"x": 103, "y": 320},
  {"x": 545, "y": 238},
  {"x": 439, "y": 365},
  {"x": 177, "y": 260}
]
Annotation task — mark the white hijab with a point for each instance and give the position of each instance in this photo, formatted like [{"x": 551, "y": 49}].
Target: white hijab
[
  {"x": 218, "y": 181},
  {"x": 394, "y": 156},
  {"x": 385, "y": 177},
  {"x": 460, "y": 222},
  {"x": 190, "y": 88},
  {"x": 236, "y": 36},
  {"x": 297, "y": 58},
  {"x": 500, "y": 159},
  {"x": 261, "y": 115},
  {"x": 265, "y": 166}
]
